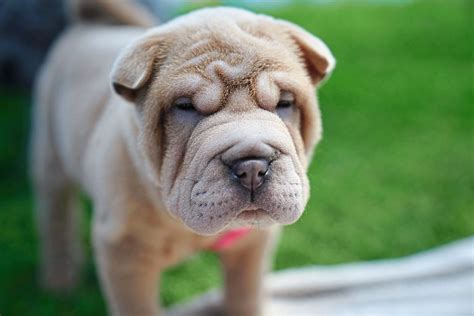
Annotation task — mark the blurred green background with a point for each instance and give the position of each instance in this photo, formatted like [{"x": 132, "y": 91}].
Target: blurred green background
[{"x": 393, "y": 175}]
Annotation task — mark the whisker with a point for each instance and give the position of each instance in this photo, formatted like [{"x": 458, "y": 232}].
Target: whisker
[{"x": 189, "y": 179}]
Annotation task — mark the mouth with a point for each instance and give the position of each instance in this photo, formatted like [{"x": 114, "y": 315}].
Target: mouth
[{"x": 251, "y": 214}]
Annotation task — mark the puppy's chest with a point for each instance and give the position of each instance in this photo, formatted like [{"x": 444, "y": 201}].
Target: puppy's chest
[
  {"x": 175, "y": 247},
  {"x": 179, "y": 248}
]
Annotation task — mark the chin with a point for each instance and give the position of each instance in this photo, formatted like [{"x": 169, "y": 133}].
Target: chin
[{"x": 253, "y": 218}]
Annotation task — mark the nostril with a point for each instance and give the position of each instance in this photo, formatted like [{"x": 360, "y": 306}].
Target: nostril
[
  {"x": 241, "y": 175},
  {"x": 262, "y": 173},
  {"x": 238, "y": 172}
]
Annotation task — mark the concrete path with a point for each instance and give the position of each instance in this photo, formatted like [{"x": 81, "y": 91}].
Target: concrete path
[{"x": 438, "y": 282}]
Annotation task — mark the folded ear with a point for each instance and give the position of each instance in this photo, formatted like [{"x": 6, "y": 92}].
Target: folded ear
[
  {"x": 134, "y": 67},
  {"x": 317, "y": 57}
]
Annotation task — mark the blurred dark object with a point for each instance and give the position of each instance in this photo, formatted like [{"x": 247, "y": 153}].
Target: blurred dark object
[{"x": 27, "y": 29}]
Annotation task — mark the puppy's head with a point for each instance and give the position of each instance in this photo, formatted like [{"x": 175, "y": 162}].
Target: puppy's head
[{"x": 228, "y": 115}]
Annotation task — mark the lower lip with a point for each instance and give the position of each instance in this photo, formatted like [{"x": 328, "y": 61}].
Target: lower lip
[{"x": 252, "y": 214}]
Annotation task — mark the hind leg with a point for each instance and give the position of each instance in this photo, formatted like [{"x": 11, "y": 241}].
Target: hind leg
[
  {"x": 60, "y": 249},
  {"x": 57, "y": 215}
]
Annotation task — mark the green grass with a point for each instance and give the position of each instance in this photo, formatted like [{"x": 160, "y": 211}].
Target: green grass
[{"x": 393, "y": 175}]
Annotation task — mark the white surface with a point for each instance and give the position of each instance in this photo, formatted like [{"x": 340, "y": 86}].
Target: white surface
[{"x": 437, "y": 282}]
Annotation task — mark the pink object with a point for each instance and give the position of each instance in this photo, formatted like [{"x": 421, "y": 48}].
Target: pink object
[{"x": 229, "y": 238}]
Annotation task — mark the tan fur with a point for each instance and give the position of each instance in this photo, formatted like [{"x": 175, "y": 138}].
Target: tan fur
[{"x": 159, "y": 178}]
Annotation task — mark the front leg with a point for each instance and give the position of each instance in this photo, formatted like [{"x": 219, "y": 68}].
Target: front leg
[
  {"x": 244, "y": 267},
  {"x": 129, "y": 272}
]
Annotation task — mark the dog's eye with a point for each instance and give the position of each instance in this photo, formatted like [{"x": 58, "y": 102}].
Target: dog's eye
[
  {"x": 282, "y": 104},
  {"x": 185, "y": 104},
  {"x": 287, "y": 99}
]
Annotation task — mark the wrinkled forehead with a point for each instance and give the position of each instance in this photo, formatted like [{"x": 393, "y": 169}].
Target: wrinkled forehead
[{"x": 212, "y": 66}]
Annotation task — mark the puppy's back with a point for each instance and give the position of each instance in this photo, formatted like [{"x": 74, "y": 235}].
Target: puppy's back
[
  {"x": 73, "y": 88},
  {"x": 123, "y": 12}
]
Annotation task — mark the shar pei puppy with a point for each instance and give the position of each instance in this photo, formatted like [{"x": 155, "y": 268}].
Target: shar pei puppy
[{"x": 184, "y": 136}]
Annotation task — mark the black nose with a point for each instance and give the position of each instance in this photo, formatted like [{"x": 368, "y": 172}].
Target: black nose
[{"x": 250, "y": 172}]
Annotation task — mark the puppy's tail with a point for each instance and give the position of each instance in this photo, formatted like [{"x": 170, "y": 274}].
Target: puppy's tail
[{"x": 122, "y": 12}]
